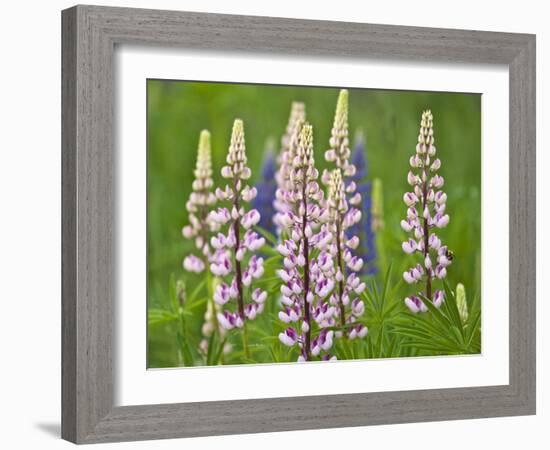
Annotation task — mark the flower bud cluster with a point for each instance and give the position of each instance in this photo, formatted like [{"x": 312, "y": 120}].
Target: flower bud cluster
[
  {"x": 289, "y": 143},
  {"x": 200, "y": 201},
  {"x": 342, "y": 202}
]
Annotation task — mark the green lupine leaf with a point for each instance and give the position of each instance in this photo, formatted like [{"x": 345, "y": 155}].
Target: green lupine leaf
[
  {"x": 386, "y": 284},
  {"x": 436, "y": 312},
  {"x": 190, "y": 307},
  {"x": 435, "y": 327},
  {"x": 172, "y": 294},
  {"x": 156, "y": 316},
  {"x": 472, "y": 328},
  {"x": 219, "y": 353},
  {"x": 267, "y": 235},
  {"x": 424, "y": 329},
  {"x": 196, "y": 291},
  {"x": 419, "y": 337},
  {"x": 212, "y": 340},
  {"x": 273, "y": 355},
  {"x": 451, "y": 309}
]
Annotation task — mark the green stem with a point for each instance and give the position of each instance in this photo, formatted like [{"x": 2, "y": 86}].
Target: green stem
[
  {"x": 342, "y": 271},
  {"x": 210, "y": 288},
  {"x": 307, "y": 306},
  {"x": 238, "y": 268},
  {"x": 245, "y": 341},
  {"x": 426, "y": 233}
]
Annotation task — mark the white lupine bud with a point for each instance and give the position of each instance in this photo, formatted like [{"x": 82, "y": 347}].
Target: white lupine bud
[
  {"x": 461, "y": 303},
  {"x": 428, "y": 262},
  {"x": 409, "y": 246},
  {"x": 412, "y": 179},
  {"x": 406, "y": 225}
]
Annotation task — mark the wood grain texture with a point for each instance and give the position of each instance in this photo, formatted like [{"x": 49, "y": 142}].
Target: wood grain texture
[
  {"x": 68, "y": 225},
  {"x": 90, "y": 34}
]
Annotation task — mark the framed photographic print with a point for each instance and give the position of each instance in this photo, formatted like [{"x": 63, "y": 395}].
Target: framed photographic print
[{"x": 267, "y": 230}]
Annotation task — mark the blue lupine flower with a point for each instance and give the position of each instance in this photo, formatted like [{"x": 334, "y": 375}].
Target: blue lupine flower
[
  {"x": 363, "y": 229},
  {"x": 266, "y": 192}
]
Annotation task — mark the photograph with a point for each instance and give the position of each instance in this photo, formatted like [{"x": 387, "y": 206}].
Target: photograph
[{"x": 292, "y": 224}]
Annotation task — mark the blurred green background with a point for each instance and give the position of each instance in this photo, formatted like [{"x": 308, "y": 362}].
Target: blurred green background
[{"x": 179, "y": 110}]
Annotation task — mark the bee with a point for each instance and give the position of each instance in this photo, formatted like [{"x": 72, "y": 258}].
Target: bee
[{"x": 450, "y": 255}]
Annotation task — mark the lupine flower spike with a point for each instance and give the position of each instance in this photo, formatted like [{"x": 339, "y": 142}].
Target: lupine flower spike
[
  {"x": 364, "y": 229},
  {"x": 339, "y": 152},
  {"x": 349, "y": 306},
  {"x": 308, "y": 281},
  {"x": 198, "y": 206},
  {"x": 289, "y": 143},
  {"x": 234, "y": 258},
  {"x": 266, "y": 188},
  {"x": 425, "y": 214},
  {"x": 343, "y": 200}
]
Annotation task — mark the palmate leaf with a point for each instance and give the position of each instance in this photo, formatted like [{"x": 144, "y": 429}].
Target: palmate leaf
[
  {"x": 215, "y": 349},
  {"x": 473, "y": 331},
  {"x": 193, "y": 297},
  {"x": 421, "y": 340},
  {"x": 189, "y": 308},
  {"x": 450, "y": 308},
  {"x": 183, "y": 340},
  {"x": 178, "y": 314},
  {"x": 394, "y": 346},
  {"x": 425, "y": 326},
  {"x": 381, "y": 310},
  {"x": 158, "y": 316},
  {"x": 342, "y": 350},
  {"x": 387, "y": 281},
  {"x": 172, "y": 294},
  {"x": 440, "y": 330}
]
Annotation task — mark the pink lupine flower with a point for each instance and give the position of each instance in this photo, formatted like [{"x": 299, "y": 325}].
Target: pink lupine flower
[
  {"x": 289, "y": 337},
  {"x": 409, "y": 246},
  {"x": 425, "y": 213},
  {"x": 211, "y": 325},
  {"x": 322, "y": 342},
  {"x": 234, "y": 257},
  {"x": 343, "y": 216},
  {"x": 289, "y": 143},
  {"x": 439, "y": 298},
  {"x": 200, "y": 201},
  {"x": 415, "y": 304},
  {"x": 307, "y": 280},
  {"x": 192, "y": 263}
]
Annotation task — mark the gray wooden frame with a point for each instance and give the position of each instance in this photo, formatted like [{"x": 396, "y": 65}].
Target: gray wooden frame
[{"x": 90, "y": 34}]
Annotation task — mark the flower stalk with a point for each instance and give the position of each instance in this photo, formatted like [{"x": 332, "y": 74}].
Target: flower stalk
[
  {"x": 198, "y": 206},
  {"x": 234, "y": 258},
  {"x": 308, "y": 273},
  {"x": 342, "y": 202},
  {"x": 365, "y": 228},
  {"x": 425, "y": 212}
]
